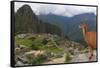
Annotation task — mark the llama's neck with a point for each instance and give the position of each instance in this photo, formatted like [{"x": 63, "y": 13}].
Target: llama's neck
[{"x": 84, "y": 30}]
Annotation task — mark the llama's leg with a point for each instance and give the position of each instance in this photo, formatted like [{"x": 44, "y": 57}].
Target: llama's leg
[{"x": 91, "y": 53}]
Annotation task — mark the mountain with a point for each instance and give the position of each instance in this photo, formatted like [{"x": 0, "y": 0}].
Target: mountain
[
  {"x": 75, "y": 33},
  {"x": 69, "y": 25},
  {"x": 56, "y": 20},
  {"x": 27, "y": 22}
]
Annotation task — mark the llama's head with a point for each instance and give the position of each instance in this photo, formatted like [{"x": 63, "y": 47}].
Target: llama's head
[{"x": 82, "y": 25}]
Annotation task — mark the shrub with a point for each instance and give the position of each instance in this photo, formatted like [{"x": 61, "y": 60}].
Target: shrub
[
  {"x": 38, "y": 60},
  {"x": 67, "y": 57},
  {"x": 44, "y": 41},
  {"x": 32, "y": 38}
]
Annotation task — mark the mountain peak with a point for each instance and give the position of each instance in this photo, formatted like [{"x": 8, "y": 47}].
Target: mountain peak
[
  {"x": 28, "y": 22},
  {"x": 26, "y": 6},
  {"x": 25, "y": 9}
]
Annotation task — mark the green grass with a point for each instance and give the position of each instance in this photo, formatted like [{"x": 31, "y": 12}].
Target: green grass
[
  {"x": 36, "y": 43},
  {"x": 23, "y": 41},
  {"x": 54, "y": 49}
]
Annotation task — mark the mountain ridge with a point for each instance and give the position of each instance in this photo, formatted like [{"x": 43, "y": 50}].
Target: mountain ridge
[{"x": 70, "y": 24}]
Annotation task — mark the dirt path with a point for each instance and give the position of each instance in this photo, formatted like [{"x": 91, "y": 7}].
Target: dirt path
[
  {"x": 83, "y": 57},
  {"x": 77, "y": 58},
  {"x": 57, "y": 60}
]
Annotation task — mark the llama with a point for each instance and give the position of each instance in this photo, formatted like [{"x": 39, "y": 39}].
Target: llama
[{"x": 90, "y": 39}]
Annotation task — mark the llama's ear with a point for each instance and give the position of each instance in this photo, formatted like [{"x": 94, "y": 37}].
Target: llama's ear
[
  {"x": 79, "y": 26},
  {"x": 85, "y": 24}
]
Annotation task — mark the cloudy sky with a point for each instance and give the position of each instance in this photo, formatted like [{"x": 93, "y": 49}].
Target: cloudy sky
[{"x": 63, "y": 10}]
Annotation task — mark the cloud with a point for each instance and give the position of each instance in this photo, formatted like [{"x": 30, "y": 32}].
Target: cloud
[{"x": 64, "y": 10}]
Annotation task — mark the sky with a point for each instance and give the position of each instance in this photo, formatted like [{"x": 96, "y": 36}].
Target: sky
[{"x": 63, "y": 10}]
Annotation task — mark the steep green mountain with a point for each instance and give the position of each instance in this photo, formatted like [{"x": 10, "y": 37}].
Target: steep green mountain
[{"x": 27, "y": 22}]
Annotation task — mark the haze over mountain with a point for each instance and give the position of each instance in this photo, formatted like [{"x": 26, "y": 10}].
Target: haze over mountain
[{"x": 56, "y": 9}]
